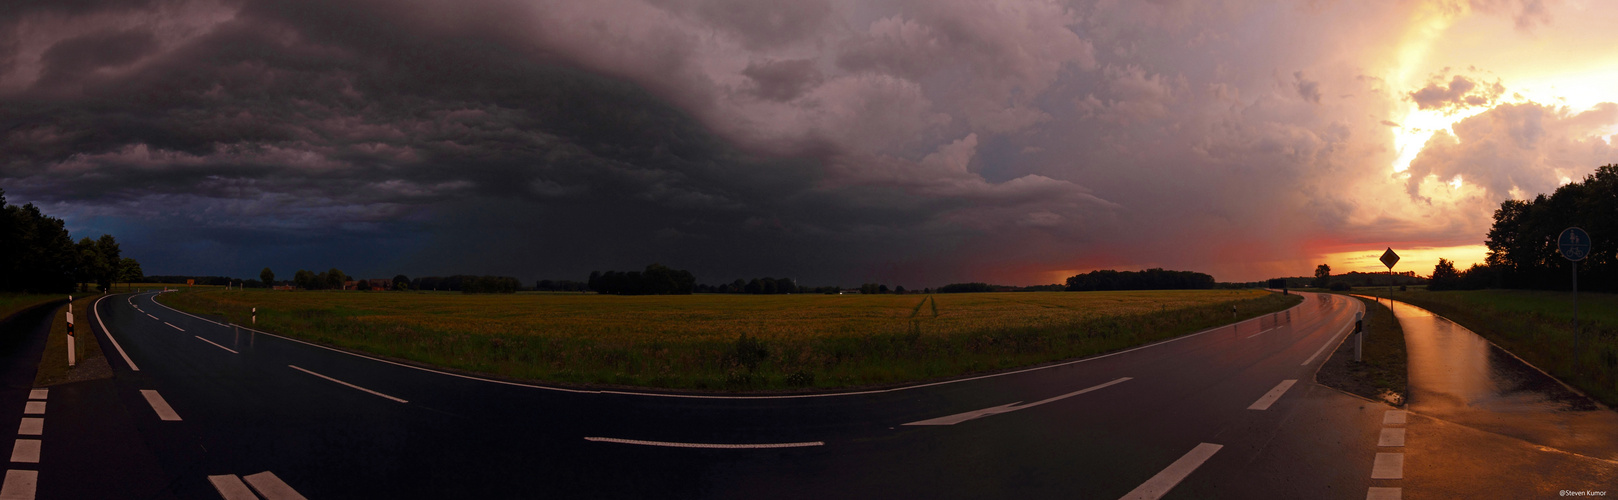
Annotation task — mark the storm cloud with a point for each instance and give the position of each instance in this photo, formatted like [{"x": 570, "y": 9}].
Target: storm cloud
[{"x": 837, "y": 142}]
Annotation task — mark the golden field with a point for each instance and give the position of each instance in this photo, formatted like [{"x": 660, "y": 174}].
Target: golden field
[{"x": 731, "y": 342}]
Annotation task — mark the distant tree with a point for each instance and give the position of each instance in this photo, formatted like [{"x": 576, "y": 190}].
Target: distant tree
[
  {"x": 335, "y": 278},
  {"x": 1444, "y": 276},
  {"x": 362, "y": 285},
  {"x": 754, "y": 287},
  {"x": 401, "y": 282},
  {"x": 1322, "y": 276},
  {"x": 869, "y": 288},
  {"x": 129, "y": 270},
  {"x": 899, "y": 290},
  {"x": 267, "y": 276},
  {"x": 307, "y": 280},
  {"x": 882, "y": 289},
  {"x": 1479, "y": 277}
]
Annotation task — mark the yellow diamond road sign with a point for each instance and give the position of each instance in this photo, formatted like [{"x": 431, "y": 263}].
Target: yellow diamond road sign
[{"x": 1389, "y": 258}]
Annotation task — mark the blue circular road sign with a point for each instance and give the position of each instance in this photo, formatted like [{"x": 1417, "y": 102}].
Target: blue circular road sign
[{"x": 1574, "y": 244}]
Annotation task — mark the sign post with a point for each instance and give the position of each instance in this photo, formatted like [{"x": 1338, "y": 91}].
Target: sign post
[
  {"x": 1574, "y": 244},
  {"x": 1389, "y": 259}
]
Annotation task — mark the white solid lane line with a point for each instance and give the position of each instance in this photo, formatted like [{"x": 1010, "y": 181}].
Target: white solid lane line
[
  {"x": 232, "y": 351},
  {"x": 164, "y": 411},
  {"x": 20, "y": 485},
  {"x": 34, "y": 408},
  {"x": 1378, "y": 493},
  {"x": 25, "y": 451},
  {"x": 39, "y": 393},
  {"x": 1393, "y": 417},
  {"x": 347, "y": 384},
  {"x": 171, "y": 325},
  {"x": 31, "y": 426},
  {"x": 231, "y": 487},
  {"x": 1269, "y": 398},
  {"x": 271, "y": 487},
  {"x": 976, "y": 414},
  {"x": 1161, "y": 483},
  {"x": 1392, "y": 436},
  {"x": 115, "y": 344},
  {"x": 1388, "y": 466},
  {"x": 705, "y": 445}
]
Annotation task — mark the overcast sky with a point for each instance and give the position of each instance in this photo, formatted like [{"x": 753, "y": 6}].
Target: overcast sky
[{"x": 837, "y": 142}]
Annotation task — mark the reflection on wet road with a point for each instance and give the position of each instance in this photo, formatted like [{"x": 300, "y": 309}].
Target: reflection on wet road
[{"x": 1458, "y": 376}]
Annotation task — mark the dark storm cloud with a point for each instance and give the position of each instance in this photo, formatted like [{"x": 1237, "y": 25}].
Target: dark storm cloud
[{"x": 917, "y": 142}]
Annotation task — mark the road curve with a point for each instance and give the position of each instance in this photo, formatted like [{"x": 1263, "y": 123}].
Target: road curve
[{"x": 1230, "y": 411}]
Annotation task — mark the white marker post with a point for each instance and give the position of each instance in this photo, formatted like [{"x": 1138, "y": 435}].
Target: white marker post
[
  {"x": 71, "y": 356},
  {"x": 255, "y": 316}
]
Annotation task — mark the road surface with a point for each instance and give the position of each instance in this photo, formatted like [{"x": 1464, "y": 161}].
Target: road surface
[{"x": 199, "y": 409}]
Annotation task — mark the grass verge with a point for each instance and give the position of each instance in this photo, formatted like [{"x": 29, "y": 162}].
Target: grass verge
[
  {"x": 733, "y": 342},
  {"x": 1382, "y": 374},
  {"x": 91, "y": 364},
  {"x": 13, "y": 303},
  {"x": 1538, "y": 327}
]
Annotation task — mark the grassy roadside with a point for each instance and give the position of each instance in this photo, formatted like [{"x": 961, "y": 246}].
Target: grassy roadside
[
  {"x": 91, "y": 364},
  {"x": 1538, "y": 327},
  {"x": 1382, "y": 374},
  {"x": 13, "y": 303},
  {"x": 733, "y": 343}
]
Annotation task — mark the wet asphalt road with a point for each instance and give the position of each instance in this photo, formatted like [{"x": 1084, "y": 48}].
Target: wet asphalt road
[
  {"x": 1486, "y": 424},
  {"x": 336, "y": 425}
]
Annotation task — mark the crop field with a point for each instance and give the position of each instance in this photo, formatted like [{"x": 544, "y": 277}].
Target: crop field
[
  {"x": 12, "y": 303},
  {"x": 732, "y": 342},
  {"x": 1538, "y": 327}
]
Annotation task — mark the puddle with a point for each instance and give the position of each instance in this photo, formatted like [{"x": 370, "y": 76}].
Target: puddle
[{"x": 1458, "y": 376}]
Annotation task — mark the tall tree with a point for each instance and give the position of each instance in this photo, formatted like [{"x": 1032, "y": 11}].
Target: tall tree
[
  {"x": 1445, "y": 277},
  {"x": 268, "y": 277},
  {"x": 129, "y": 270},
  {"x": 1322, "y": 276}
]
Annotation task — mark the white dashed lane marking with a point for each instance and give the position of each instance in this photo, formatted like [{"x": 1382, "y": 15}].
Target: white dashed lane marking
[
  {"x": 1269, "y": 398},
  {"x": 231, "y": 487},
  {"x": 348, "y": 384},
  {"x": 1388, "y": 466},
  {"x": 1393, "y": 417},
  {"x": 171, "y": 325},
  {"x": 232, "y": 351},
  {"x": 1392, "y": 436},
  {"x": 31, "y": 426},
  {"x": 20, "y": 485},
  {"x": 1166, "y": 480},
  {"x": 34, "y": 408},
  {"x": 25, "y": 451},
  {"x": 164, "y": 411},
  {"x": 976, "y": 414},
  {"x": 1377, "y": 493},
  {"x": 39, "y": 394},
  {"x": 271, "y": 487}
]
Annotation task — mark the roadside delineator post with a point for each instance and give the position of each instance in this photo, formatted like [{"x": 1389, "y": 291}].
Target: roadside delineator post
[
  {"x": 71, "y": 356},
  {"x": 1359, "y": 335}
]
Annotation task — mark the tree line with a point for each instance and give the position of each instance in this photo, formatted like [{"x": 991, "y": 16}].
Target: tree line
[
  {"x": 38, "y": 255},
  {"x": 1150, "y": 279},
  {"x": 1523, "y": 247},
  {"x": 657, "y": 279}
]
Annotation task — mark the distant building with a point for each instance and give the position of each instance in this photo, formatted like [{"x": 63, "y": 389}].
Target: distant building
[
  {"x": 351, "y": 285},
  {"x": 380, "y": 284},
  {"x": 282, "y": 287}
]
